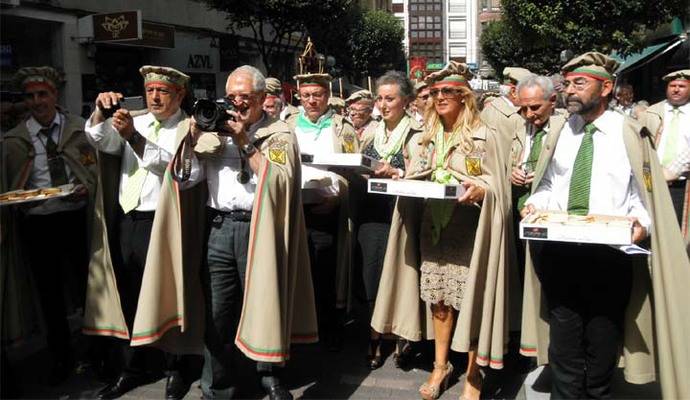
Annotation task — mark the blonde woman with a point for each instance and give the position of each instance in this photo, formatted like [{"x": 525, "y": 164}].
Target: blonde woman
[{"x": 453, "y": 254}]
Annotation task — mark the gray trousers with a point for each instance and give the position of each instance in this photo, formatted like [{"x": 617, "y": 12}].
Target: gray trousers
[{"x": 223, "y": 277}]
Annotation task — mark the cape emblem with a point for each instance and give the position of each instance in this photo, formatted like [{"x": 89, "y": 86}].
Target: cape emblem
[
  {"x": 277, "y": 152},
  {"x": 473, "y": 166},
  {"x": 647, "y": 177}
]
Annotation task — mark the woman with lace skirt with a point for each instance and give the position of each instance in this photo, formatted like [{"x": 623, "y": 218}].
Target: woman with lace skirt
[{"x": 456, "y": 252}]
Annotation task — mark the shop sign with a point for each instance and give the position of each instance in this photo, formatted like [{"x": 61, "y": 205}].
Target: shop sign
[
  {"x": 156, "y": 35},
  {"x": 417, "y": 68},
  {"x": 434, "y": 66},
  {"x": 199, "y": 61},
  {"x": 115, "y": 27}
]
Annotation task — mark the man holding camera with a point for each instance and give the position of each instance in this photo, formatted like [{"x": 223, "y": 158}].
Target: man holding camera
[
  {"x": 135, "y": 150},
  {"x": 256, "y": 281}
]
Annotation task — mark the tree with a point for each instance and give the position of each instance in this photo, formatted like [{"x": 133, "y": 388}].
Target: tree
[
  {"x": 377, "y": 44},
  {"x": 534, "y": 32},
  {"x": 274, "y": 23}
]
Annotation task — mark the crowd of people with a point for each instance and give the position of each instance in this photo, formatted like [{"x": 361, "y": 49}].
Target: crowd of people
[{"x": 179, "y": 239}]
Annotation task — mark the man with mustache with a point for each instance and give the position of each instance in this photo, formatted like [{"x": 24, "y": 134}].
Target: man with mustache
[
  {"x": 135, "y": 149},
  {"x": 669, "y": 122},
  {"x": 602, "y": 163}
]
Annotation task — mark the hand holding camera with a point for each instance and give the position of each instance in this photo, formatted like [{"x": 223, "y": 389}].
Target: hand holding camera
[{"x": 219, "y": 116}]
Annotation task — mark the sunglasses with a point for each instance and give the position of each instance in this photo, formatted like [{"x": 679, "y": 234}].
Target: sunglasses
[
  {"x": 533, "y": 108},
  {"x": 445, "y": 91}
]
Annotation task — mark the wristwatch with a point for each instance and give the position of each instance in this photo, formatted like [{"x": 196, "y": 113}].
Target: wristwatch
[
  {"x": 135, "y": 139},
  {"x": 248, "y": 149}
]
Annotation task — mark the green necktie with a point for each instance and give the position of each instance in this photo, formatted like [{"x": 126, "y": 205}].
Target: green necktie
[
  {"x": 129, "y": 199},
  {"x": 671, "y": 148},
  {"x": 56, "y": 165},
  {"x": 531, "y": 162},
  {"x": 578, "y": 196}
]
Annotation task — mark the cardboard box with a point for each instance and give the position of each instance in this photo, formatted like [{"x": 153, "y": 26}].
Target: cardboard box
[
  {"x": 415, "y": 188},
  {"x": 356, "y": 161},
  {"x": 560, "y": 227}
]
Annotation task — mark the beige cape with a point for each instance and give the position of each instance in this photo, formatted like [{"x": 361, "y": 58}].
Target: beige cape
[
  {"x": 490, "y": 289},
  {"x": 503, "y": 117},
  {"x": 170, "y": 293},
  {"x": 656, "y": 325},
  {"x": 16, "y": 289},
  {"x": 278, "y": 306}
]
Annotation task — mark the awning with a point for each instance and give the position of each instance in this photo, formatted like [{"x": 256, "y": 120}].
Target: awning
[{"x": 648, "y": 54}]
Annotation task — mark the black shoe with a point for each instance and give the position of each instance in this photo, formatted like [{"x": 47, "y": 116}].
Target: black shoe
[
  {"x": 176, "y": 387},
  {"x": 403, "y": 354},
  {"x": 278, "y": 392},
  {"x": 122, "y": 385},
  {"x": 374, "y": 359}
]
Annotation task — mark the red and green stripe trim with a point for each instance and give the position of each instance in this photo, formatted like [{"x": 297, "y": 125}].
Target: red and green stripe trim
[
  {"x": 593, "y": 73},
  {"x": 260, "y": 197},
  {"x": 154, "y": 334},
  {"x": 106, "y": 331},
  {"x": 452, "y": 80}
]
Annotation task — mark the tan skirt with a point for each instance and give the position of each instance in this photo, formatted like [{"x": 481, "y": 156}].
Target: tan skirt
[{"x": 445, "y": 266}]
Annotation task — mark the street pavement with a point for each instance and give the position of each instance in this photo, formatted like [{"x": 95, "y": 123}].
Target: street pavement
[{"x": 316, "y": 373}]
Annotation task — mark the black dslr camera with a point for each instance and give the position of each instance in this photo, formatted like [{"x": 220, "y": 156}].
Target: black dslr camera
[{"x": 210, "y": 115}]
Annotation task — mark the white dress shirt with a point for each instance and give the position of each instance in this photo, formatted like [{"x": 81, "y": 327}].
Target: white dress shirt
[
  {"x": 322, "y": 144},
  {"x": 683, "y": 142},
  {"x": 529, "y": 139},
  {"x": 225, "y": 192},
  {"x": 40, "y": 173},
  {"x": 613, "y": 190},
  {"x": 156, "y": 155}
]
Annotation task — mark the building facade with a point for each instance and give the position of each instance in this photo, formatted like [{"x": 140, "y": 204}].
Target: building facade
[{"x": 98, "y": 54}]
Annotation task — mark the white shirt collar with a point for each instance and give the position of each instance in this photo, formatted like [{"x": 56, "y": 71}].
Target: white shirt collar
[
  {"x": 684, "y": 109},
  {"x": 605, "y": 123},
  {"x": 34, "y": 126},
  {"x": 168, "y": 123}
]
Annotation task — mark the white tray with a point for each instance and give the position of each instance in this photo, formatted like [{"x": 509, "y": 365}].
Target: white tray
[
  {"x": 560, "y": 227},
  {"x": 342, "y": 160},
  {"x": 415, "y": 188},
  {"x": 65, "y": 190}
]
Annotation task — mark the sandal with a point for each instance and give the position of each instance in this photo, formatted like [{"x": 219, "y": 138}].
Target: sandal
[
  {"x": 432, "y": 392},
  {"x": 374, "y": 359}
]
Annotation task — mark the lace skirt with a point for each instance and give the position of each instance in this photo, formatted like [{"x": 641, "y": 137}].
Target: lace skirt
[{"x": 445, "y": 266}]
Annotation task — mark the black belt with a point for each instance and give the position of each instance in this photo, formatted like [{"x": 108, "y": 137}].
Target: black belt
[
  {"x": 678, "y": 183},
  {"x": 234, "y": 215},
  {"x": 140, "y": 215}
]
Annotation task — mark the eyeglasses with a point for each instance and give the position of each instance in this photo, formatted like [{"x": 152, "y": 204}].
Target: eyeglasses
[
  {"x": 577, "y": 84},
  {"x": 533, "y": 108},
  {"x": 315, "y": 95},
  {"x": 360, "y": 111},
  {"x": 445, "y": 91},
  {"x": 240, "y": 98}
]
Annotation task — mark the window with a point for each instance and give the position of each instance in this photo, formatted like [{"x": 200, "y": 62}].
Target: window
[
  {"x": 458, "y": 51},
  {"x": 413, "y": 7},
  {"x": 456, "y": 6},
  {"x": 457, "y": 29},
  {"x": 414, "y": 34}
]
